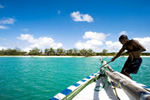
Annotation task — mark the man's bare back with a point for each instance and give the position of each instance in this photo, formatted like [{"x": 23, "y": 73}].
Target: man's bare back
[{"x": 133, "y": 48}]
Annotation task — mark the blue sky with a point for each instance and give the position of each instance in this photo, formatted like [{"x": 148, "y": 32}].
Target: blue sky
[{"x": 69, "y": 24}]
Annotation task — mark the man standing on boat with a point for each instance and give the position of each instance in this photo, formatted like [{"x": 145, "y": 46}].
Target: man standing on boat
[{"x": 134, "y": 49}]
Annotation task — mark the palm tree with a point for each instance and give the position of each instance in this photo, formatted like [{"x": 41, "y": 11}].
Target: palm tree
[
  {"x": 104, "y": 51},
  {"x": 46, "y": 51},
  {"x": 35, "y": 51},
  {"x": 83, "y": 52},
  {"x": 60, "y": 51},
  {"x": 90, "y": 52},
  {"x": 75, "y": 51},
  {"x": 51, "y": 51},
  {"x": 70, "y": 51}
]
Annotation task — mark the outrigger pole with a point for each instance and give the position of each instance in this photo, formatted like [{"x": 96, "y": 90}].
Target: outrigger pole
[
  {"x": 138, "y": 92},
  {"x": 104, "y": 64}
]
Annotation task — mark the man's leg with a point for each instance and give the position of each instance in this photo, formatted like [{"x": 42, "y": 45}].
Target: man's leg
[{"x": 127, "y": 74}]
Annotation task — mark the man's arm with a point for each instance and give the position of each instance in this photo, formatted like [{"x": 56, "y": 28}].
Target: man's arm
[{"x": 118, "y": 54}]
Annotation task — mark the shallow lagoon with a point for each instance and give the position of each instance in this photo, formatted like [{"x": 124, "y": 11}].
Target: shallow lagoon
[{"x": 43, "y": 77}]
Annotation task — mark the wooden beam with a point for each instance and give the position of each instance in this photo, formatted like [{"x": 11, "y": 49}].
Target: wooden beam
[{"x": 137, "y": 92}]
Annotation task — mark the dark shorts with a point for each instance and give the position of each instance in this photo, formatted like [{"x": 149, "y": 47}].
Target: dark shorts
[{"x": 132, "y": 66}]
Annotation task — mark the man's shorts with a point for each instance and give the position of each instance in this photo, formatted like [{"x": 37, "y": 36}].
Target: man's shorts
[{"x": 132, "y": 66}]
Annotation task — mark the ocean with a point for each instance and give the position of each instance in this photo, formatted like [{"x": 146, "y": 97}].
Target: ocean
[{"x": 40, "y": 78}]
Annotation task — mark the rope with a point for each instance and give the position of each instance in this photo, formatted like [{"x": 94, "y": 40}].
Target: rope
[
  {"x": 106, "y": 69},
  {"x": 116, "y": 86},
  {"x": 104, "y": 83},
  {"x": 115, "y": 90},
  {"x": 101, "y": 87}
]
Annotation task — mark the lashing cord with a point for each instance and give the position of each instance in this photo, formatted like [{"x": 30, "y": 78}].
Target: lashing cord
[
  {"x": 116, "y": 90},
  {"x": 107, "y": 81}
]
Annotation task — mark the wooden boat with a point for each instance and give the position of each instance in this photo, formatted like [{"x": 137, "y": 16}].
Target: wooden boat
[{"x": 106, "y": 84}]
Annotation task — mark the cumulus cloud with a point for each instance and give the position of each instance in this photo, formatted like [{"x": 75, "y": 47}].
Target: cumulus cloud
[
  {"x": 3, "y": 27},
  {"x": 1, "y": 6},
  {"x": 94, "y": 35},
  {"x": 3, "y": 48},
  {"x": 95, "y": 40},
  {"x": 90, "y": 44},
  {"x": 7, "y": 20},
  {"x": 27, "y": 37},
  {"x": 76, "y": 16},
  {"x": 145, "y": 42},
  {"x": 113, "y": 46},
  {"x": 41, "y": 43},
  {"x": 123, "y": 33}
]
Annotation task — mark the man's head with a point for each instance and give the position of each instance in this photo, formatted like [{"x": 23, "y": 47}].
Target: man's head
[{"x": 123, "y": 39}]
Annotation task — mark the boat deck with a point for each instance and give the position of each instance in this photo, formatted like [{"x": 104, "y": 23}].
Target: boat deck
[
  {"x": 122, "y": 87},
  {"x": 107, "y": 93}
]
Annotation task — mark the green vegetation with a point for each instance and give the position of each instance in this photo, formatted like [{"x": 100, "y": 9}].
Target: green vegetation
[
  {"x": 35, "y": 51},
  {"x": 59, "y": 52},
  {"x": 15, "y": 51}
]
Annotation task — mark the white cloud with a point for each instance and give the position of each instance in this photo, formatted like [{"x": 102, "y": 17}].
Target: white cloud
[
  {"x": 41, "y": 43},
  {"x": 145, "y": 42},
  {"x": 3, "y": 48},
  {"x": 94, "y": 35},
  {"x": 3, "y": 27},
  {"x": 27, "y": 37},
  {"x": 113, "y": 46},
  {"x": 90, "y": 44},
  {"x": 81, "y": 17},
  {"x": 95, "y": 40},
  {"x": 1, "y": 6},
  {"x": 27, "y": 49},
  {"x": 123, "y": 33},
  {"x": 7, "y": 20}
]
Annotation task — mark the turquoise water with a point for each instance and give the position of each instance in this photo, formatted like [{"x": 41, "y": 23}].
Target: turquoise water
[{"x": 27, "y": 78}]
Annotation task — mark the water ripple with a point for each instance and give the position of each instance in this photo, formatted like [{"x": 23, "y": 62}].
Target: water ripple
[{"x": 42, "y": 78}]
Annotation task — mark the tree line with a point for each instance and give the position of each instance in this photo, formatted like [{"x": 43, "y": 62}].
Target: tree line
[{"x": 60, "y": 52}]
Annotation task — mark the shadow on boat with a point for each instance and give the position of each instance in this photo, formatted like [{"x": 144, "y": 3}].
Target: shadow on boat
[{"x": 103, "y": 90}]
